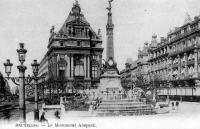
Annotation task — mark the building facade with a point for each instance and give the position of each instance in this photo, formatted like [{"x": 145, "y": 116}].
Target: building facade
[
  {"x": 174, "y": 62},
  {"x": 74, "y": 55},
  {"x": 142, "y": 68},
  {"x": 128, "y": 75}
]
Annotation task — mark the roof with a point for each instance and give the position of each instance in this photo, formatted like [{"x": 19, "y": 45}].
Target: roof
[{"x": 75, "y": 17}]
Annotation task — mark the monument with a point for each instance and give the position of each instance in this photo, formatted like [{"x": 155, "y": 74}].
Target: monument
[
  {"x": 110, "y": 80},
  {"x": 114, "y": 100}
]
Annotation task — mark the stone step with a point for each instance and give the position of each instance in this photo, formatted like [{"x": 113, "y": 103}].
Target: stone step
[
  {"x": 128, "y": 104},
  {"x": 121, "y": 102},
  {"x": 122, "y": 107},
  {"x": 125, "y": 110},
  {"x": 118, "y": 109},
  {"x": 132, "y": 112},
  {"x": 118, "y": 104}
]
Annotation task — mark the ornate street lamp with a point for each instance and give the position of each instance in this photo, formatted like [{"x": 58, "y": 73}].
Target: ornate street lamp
[
  {"x": 8, "y": 67},
  {"x": 21, "y": 53},
  {"x": 20, "y": 81},
  {"x": 35, "y": 67},
  {"x": 23, "y": 81}
]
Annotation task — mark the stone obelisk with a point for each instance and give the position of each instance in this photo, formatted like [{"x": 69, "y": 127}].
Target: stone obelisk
[{"x": 109, "y": 34}]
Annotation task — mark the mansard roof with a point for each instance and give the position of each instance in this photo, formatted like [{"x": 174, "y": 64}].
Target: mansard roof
[{"x": 75, "y": 17}]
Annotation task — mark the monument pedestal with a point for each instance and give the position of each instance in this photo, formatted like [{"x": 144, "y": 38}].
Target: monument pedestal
[{"x": 110, "y": 82}]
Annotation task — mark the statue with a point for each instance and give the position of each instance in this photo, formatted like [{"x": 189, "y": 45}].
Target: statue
[
  {"x": 109, "y": 8},
  {"x": 99, "y": 31},
  {"x": 76, "y": 1},
  {"x": 52, "y": 30}
]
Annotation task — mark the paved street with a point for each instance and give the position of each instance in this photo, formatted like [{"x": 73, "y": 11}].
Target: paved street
[
  {"x": 13, "y": 114},
  {"x": 187, "y": 116}
]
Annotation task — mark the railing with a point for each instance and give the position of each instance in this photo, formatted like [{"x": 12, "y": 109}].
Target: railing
[{"x": 183, "y": 35}]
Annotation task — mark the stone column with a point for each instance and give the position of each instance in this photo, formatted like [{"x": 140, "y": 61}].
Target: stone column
[
  {"x": 72, "y": 66},
  {"x": 179, "y": 66},
  {"x": 22, "y": 104},
  {"x": 57, "y": 69},
  {"x": 100, "y": 64},
  {"x": 196, "y": 63},
  {"x": 67, "y": 69},
  {"x": 170, "y": 62},
  {"x": 186, "y": 67},
  {"x": 85, "y": 67},
  {"x": 88, "y": 67}
]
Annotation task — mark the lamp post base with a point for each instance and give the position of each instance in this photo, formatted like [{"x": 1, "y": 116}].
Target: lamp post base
[{"x": 36, "y": 114}]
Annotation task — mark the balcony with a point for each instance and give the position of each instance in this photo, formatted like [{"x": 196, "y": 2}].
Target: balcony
[
  {"x": 184, "y": 50},
  {"x": 157, "y": 57},
  {"x": 174, "y": 65},
  {"x": 186, "y": 34},
  {"x": 183, "y": 63},
  {"x": 191, "y": 62}
]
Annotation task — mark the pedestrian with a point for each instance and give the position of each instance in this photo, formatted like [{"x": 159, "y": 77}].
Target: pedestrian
[
  {"x": 42, "y": 118},
  {"x": 173, "y": 106},
  {"x": 177, "y": 105},
  {"x": 57, "y": 114}
]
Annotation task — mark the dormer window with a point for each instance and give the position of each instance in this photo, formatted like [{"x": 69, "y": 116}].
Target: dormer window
[
  {"x": 62, "y": 57},
  {"x": 69, "y": 30},
  {"x": 61, "y": 43},
  {"x": 78, "y": 43}
]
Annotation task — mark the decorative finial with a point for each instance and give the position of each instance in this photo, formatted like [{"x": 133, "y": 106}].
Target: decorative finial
[
  {"x": 146, "y": 43},
  {"x": 99, "y": 31},
  {"x": 154, "y": 36},
  {"x": 109, "y": 8},
  {"x": 188, "y": 18},
  {"x": 76, "y": 2},
  {"x": 52, "y": 30}
]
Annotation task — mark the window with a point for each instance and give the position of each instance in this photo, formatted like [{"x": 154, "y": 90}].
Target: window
[
  {"x": 70, "y": 30},
  {"x": 94, "y": 72},
  {"x": 95, "y": 57},
  {"x": 61, "y": 73},
  {"x": 79, "y": 66},
  {"x": 61, "y": 43},
  {"x": 78, "y": 43},
  {"x": 62, "y": 57}
]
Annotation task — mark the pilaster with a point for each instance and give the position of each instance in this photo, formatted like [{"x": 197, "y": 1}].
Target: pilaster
[
  {"x": 67, "y": 69},
  {"x": 88, "y": 67},
  {"x": 85, "y": 67},
  {"x": 196, "y": 63},
  {"x": 179, "y": 66},
  {"x": 186, "y": 62},
  {"x": 72, "y": 66}
]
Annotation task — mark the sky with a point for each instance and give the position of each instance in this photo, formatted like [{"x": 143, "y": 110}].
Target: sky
[{"x": 135, "y": 21}]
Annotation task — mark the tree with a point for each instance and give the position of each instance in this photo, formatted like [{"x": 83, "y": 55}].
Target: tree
[
  {"x": 4, "y": 87},
  {"x": 140, "y": 82},
  {"x": 154, "y": 85}
]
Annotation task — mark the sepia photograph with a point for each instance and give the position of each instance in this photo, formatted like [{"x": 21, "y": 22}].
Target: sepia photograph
[{"x": 100, "y": 64}]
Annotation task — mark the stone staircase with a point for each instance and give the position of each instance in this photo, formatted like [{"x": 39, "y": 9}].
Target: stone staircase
[{"x": 123, "y": 107}]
